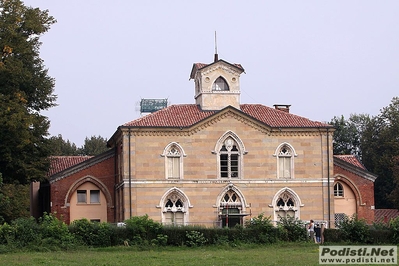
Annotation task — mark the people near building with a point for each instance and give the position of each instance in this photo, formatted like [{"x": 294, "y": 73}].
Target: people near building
[
  {"x": 317, "y": 232},
  {"x": 311, "y": 230}
]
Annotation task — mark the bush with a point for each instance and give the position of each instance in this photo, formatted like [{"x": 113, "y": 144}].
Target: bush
[
  {"x": 195, "y": 238},
  {"x": 91, "y": 233},
  {"x": 55, "y": 233},
  {"x": 260, "y": 229},
  {"x": 7, "y": 234},
  {"x": 142, "y": 230},
  {"x": 26, "y": 232},
  {"x": 394, "y": 225},
  {"x": 292, "y": 229},
  {"x": 355, "y": 230},
  {"x": 332, "y": 235}
]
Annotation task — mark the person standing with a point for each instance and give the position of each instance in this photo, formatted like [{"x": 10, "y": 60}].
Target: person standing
[{"x": 311, "y": 230}]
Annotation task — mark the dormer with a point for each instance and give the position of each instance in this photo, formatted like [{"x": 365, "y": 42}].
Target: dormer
[{"x": 217, "y": 85}]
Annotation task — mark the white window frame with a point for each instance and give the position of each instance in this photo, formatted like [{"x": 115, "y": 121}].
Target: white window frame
[
  {"x": 287, "y": 194},
  {"x": 174, "y": 155},
  {"x": 339, "y": 190},
  {"x": 285, "y": 154},
  {"x": 230, "y": 139},
  {"x": 174, "y": 194}
]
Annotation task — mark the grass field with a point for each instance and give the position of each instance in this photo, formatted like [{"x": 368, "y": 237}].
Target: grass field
[
  {"x": 282, "y": 254},
  {"x": 277, "y": 254}
]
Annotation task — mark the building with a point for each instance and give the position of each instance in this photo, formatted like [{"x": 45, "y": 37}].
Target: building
[{"x": 216, "y": 162}]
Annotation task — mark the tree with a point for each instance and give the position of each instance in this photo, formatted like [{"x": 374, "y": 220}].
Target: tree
[
  {"x": 60, "y": 147},
  {"x": 14, "y": 201},
  {"x": 94, "y": 146},
  {"x": 380, "y": 144},
  {"x": 25, "y": 91},
  {"x": 348, "y": 134}
]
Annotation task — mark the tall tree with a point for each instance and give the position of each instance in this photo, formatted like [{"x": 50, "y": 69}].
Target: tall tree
[
  {"x": 94, "y": 146},
  {"x": 380, "y": 147},
  {"x": 61, "y": 147},
  {"x": 348, "y": 133},
  {"x": 25, "y": 91}
]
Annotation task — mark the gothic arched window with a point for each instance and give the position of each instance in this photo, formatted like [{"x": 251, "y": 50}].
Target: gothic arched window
[
  {"x": 285, "y": 161},
  {"x": 174, "y": 207},
  {"x": 229, "y": 159},
  {"x": 173, "y": 154},
  {"x": 220, "y": 84}
]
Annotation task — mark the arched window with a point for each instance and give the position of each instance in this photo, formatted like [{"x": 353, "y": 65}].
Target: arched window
[
  {"x": 220, "y": 84},
  {"x": 229, "y": 149},
  {"x": 286, "y": 203},
  {"x": 175, "y": 207},
  {"x": 229, "y": 156},
  {"x": 173, "y": 154},
  {"x": 285, "y": 161},
  {"x": 338, "y": 190},
  {"x": 231, "y": 209}
]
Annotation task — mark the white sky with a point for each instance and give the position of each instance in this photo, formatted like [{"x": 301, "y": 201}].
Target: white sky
[{"x": 325, "y": 58}]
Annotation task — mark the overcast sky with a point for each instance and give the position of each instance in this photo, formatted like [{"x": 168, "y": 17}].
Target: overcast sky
[{"x": 324, "y": 58}]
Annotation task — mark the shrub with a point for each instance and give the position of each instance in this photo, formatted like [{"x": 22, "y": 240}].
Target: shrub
[
  {"x": 354, "y": 230},
  {"x": 91, "y": 233},
  {"x": 142, "y": 230},
  {"x": 394, "y": 225},
  {"x": 292, "y": 229},
  {"x": 195, "y": 238},
  {"x": 7, "y": 234},
  {"x": 332, "y": 235},
  {"x": 260, "y": 229},
  {"x": 26, "y": 232},
  {"x": 55, "y": 233}
]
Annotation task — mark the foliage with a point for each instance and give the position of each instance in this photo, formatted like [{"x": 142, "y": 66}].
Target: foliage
[
  {"x": 374, "y": 140},
  {"x": 394, "y": 225},
  {"x": 142, "y": 229},
  {"x": 25, "y": 91},
  {"x": 91, "y": 233},
  {"x": 348, "y": 133},
  {"x": 380, "y": 147},
  {"x": 262, "y": 229},
  {"x": 14, "y": 202},
  {"x": 55, "y": 232},
  {"x": 354, "y": 230},
  {"x": 195, "y": 238},
  {"x": 332, "y": 235},
  {"x": 94, "y": 146},
  {"x": 61, "y": 147},
  {"x": 292, "y": 229}
]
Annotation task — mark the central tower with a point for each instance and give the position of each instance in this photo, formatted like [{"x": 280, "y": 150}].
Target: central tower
[{"x": 217, "y": 85}]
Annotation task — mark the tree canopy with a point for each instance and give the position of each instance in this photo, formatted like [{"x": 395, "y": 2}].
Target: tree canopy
[
  {"x": 26, "y": 89},
  {"x": 92, "y": 146},
  {"x": 375, "y": 140}
]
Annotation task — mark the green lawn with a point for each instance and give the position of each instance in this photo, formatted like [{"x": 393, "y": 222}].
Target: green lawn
[{"x": 278, "y": 254}]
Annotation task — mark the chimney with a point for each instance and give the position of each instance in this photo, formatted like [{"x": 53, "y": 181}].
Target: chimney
[{"x": 282, "y": 107}]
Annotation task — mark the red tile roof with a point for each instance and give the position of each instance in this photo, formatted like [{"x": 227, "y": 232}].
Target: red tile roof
[
  {"x": 352, "y": 159},
  {"x": 186, "y": 115},
  {"x": 385, "y": 215},
  {"x": 60, "y": 163}
]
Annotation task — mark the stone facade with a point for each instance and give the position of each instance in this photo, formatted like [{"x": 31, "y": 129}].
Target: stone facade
[{"x": 215, "y": 163}]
